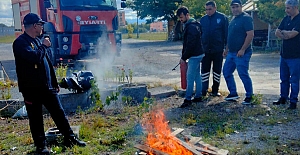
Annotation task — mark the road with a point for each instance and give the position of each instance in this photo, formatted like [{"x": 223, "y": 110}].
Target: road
[{"x": 152, "y": 62}]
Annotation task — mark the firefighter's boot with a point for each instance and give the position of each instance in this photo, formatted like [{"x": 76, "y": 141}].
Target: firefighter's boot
[{"x": 71, "y": 140}]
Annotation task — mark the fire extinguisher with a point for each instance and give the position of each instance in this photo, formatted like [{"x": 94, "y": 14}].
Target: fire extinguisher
[{"x": 183, "y": 70}]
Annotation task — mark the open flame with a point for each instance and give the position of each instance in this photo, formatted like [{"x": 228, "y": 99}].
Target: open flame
[{"x": 160, "y": 137}]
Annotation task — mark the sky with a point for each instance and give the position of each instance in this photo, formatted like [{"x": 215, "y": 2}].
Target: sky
[{"x": 6, "y": 14}]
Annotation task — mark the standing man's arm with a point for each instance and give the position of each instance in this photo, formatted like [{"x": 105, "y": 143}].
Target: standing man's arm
[
  {"x": 284, "y": 34},
  {"x": 249, "y": 28},
  {"x": 289, "y": 34},
  {"x": 191, "y": 42},
  {"x": 279, "y": 34},
  {"x": 225, "y": 31},
  {"x": 247, "y": 42},
  {"x": 23, "y": 49},
  {"x": 225, "y": 51}
]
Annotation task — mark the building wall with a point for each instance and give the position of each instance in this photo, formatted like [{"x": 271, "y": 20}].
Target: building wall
[
  {"x": 7, "y": 31},
  {"x": 157, "y": 27},
  {"x": 259, "y": 24}
]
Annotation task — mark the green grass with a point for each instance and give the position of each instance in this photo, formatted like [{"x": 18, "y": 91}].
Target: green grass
[
  {"x": 147, "y": 36},
  {"x": 103, "y": 133},
  {"x": 116, "y": 131},
  {"x": 7, "y": 39}
]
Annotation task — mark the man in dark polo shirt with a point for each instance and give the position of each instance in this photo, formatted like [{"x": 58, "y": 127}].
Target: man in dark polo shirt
[
  {"x": 288, "y": 31},
  {"x": 238, "y": 52}
]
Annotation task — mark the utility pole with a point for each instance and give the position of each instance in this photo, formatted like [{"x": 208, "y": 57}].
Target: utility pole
[{"x": 137, "y": 25}]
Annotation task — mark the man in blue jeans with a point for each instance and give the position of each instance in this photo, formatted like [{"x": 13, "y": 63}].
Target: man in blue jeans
[
  {"x": 238, "y": 52},
  {"x": 288, "y": 31},
  {"x": 192, "y": 50}
]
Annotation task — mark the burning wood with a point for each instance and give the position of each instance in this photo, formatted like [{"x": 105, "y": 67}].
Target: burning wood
[
  {"x": 149, "y": 149},
  {"x": 160, "y": 133},
  {"x": 161, "y": 141}
]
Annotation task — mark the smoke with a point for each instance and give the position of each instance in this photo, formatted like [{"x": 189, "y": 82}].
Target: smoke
[{"x": 101, "y": 63}]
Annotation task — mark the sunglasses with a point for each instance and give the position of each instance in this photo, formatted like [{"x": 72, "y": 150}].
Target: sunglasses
[{"x": 40, "y": 24}]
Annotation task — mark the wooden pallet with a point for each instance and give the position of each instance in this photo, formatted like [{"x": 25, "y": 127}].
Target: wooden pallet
[{"x": 193, "y": 144}]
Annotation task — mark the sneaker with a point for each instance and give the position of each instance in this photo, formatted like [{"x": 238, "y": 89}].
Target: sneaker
[
  {"x": 72, "y": 140},
  {"x": 292, "y": 106},
  {"x": 197, "y": 99},
  {"x": 186, "y": 103},
  {"x": 42, "y": 150},
  {"x": 231, "y": 97},
  {"x": 280, "y": 101},
  {"x": 215, "y": 94},
  {"x": 247, "y": 101}
]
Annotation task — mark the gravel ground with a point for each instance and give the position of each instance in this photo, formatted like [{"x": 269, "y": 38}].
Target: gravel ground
[
  {"x": 152, "y": 62},
  {"x": 258, "y": 135}
]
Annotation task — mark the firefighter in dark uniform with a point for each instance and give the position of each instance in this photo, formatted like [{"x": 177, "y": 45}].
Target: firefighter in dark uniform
[
  {"x": 214, "y": 39},
  {"x": 38, "y": 84}
]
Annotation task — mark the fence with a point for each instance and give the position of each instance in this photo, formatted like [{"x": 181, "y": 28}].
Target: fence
[{"x": 7, "y": 31}]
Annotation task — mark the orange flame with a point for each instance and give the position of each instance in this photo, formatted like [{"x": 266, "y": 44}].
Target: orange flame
[{"x": 159, "y": 135}]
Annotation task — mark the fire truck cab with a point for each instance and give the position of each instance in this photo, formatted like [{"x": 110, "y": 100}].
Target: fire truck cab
[{"x": 76, "y": 28}]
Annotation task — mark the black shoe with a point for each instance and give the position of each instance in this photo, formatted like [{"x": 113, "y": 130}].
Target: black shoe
[
  {"x": 43, "y": 150},
  {"x": 231, "y": 97},
  {"x": 292, "y": 106},
  {"x": 214, "y": 94},
  {"x": 280, "y": 101},
  {"x": 186, "y": 103},
  {"x": 247, "y": 101},
  {"x": 197, "y": 99},
  {"x": 73, "y": 140}
]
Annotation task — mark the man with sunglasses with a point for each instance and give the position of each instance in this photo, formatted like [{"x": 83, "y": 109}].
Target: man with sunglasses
[
  {"x": 214, "y": 38},
  {"x": 288, "y": 31},
  {"x": 238, "y": 52},
  {"x": 38, "y": 84}
]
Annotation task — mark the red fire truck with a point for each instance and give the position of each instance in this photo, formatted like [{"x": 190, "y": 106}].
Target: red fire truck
[{"x": 76, "y": 28}]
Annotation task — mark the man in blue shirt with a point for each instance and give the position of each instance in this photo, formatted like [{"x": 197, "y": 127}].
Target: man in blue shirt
[
  {"x": 238, "y": 52},
  {"x": 288, "y": 31},
  {"x": 214, "y": 38}
]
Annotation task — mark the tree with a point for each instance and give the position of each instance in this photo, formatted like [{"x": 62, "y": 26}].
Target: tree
[
  {"x": 3, "y": 25},
  {"x": 130, "y": 31},
  {"x": 271, "y": 11},
  {"x": 197, "y": 8},
  {"x": 154, "y": 9}
]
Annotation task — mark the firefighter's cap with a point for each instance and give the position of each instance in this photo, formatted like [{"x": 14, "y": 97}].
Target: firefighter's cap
[
  {"x": 236, "y": 2},
  {"x": 32, "y": 18}
]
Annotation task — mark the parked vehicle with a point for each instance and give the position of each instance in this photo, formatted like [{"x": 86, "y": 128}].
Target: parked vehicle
[{"x": 76, "y": 28}]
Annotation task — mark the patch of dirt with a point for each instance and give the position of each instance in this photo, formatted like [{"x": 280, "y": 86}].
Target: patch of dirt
[
  {"x": 273, "y": 124},
  {"x": 257, "y": 132}
]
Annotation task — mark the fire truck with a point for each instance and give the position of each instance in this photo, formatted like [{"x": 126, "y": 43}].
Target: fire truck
[{"x": 76, "y": 28}]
